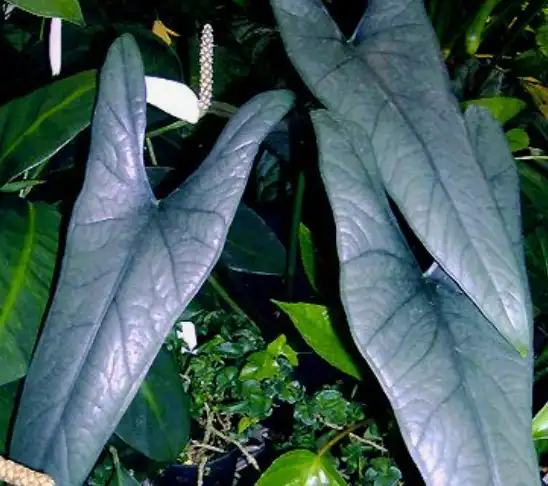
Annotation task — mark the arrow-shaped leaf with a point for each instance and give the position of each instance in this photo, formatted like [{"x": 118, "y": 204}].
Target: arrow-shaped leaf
[
  {"x": 460, "y": 392},
  {"x": 389, "y": 79},
  {"x": 131, "y": 266}
]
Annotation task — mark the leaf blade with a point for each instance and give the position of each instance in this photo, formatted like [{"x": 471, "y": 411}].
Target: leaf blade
[
  {"x": 443, "y": 367},
  {"x": 131, "y": 266},
  {"x": 38, "y": 125},
  {"x": 389, "y": 79}
]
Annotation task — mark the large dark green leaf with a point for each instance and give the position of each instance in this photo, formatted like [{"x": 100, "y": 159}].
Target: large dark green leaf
[
  {"x": 28, "y": 252},
  {"x": 301, "y": 468},
  {"x": 253, "y": 247},
  {"x": 64, "y": 9},
  {"x": 157, "y": 423},
  {"x": 461, "y": 393},
  {"x": 7, "y": 405},
  {"x": 36, "y": 126},
  {"x": 389, "y": 79},
  {"x": 131, "y": 266}
]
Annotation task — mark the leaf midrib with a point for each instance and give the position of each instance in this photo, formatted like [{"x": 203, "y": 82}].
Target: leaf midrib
[
  {"x": 23, "y": 264},
  {"x": 33, "y": 127}
]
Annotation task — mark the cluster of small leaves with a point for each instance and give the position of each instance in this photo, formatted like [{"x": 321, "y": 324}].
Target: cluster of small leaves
[{"x": 236, "y": 372}]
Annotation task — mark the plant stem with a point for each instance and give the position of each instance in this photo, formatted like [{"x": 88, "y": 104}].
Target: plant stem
[
  {"x": 294, "y": 235},
  {"x": 342, "y": 435},
  {"x": 224, "y": 295},
  {"x": 250, "y": 459},
  {"x": 533, "y": 157},
  {"x": 150, "y": 147},
  {"x": 218, "y": 108}
]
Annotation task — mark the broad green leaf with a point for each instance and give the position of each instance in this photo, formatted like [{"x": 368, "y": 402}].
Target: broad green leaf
[
  {"x": 130, "y": 267},
  {"x": 460, "y": 392},
  {"x": 389, "y": 79},
  {"x": 540, "y": 424},
  {"x": 7, "y": 407},
  {"x": 36, "y": 126},
  {"x": 316, "y": 328},
  {"x": 65, "y": 9},
  {"x": 157, "y": 423},
  {"x": 301, "y": 468},
  {"x": 252, "y": 246},
  {"x": 502, "y": 108},
  {"x": 308, "y": 254},
  {"x": 28, "y": 253},
  {"x": 517, "y": 139}
]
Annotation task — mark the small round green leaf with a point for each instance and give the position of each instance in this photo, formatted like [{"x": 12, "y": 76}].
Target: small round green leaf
[
  {"x": 301, "y": 468},
  {"x": 517, "y": 139}
]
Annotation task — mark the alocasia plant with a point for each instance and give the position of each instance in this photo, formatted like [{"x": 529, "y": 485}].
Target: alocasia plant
[
  {"x": 130, "y": 267},
  {"x": 451, "y": 347}
]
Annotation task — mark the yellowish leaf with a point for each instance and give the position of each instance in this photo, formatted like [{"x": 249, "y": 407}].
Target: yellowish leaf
[
  {"x": 538, "y": 92},
  {"x": 163, "y": 32}
]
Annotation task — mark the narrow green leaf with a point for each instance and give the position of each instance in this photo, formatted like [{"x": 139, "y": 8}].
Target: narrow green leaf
[
  {"x": 308, "y": 256},
  {"x": 131, "y": 266},
  {"x": 28, "y": 253},
  {"x": 65, "y": 9},
  {"x": 316, "y": 327},
  {"x": 474, "y": 33},
  {"x": 518, "y": 139},
  {"x": 540, "y": 424},
  {"x": 20, "y": 185},
  {"x": 157, "y": 423},
  {"x": 36, "y": 126},
  {"x": 502, "y": 108},
  {"x": 301, "y": 468}
]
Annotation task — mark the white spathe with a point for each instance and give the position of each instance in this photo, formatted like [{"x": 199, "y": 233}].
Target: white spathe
[
  {"x": 187, "y": 334},
  {"x": 173, "y": 97},
  {"x": 55, "y": 46}
]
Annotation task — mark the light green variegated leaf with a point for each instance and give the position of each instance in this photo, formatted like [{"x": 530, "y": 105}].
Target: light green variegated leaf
[
  {"x": 28, "y": 253},
  {"x": 460, "y": 392},
  {"x": 389, "y": 79}
]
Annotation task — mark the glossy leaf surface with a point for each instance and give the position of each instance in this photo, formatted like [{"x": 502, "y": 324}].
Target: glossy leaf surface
[
  {"x": 389, "y": 79},
  {"x": 301, "y": 468},
  {"x": 317, "y": 329},
  {"x": 36, "y": 126},
  {"x": 131, "y": 266},
  {"x": 28, "y": 254},
  {"x": 65, "y": 9},
  {"x": 460, "y": 392}
]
